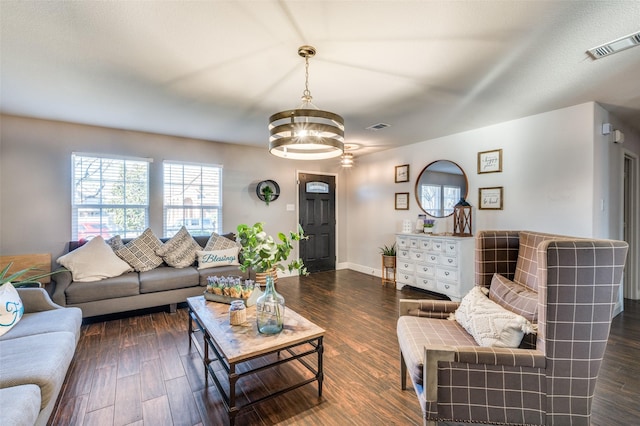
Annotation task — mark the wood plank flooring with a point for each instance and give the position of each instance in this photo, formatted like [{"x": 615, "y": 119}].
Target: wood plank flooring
[{"x": 138, "y": 370}]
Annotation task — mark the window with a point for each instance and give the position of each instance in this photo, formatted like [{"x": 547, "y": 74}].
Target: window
[
  {"x": 110, "y": 196},
  {"x": 193, "y": 198},
  {"x": 439, "y": 200}
]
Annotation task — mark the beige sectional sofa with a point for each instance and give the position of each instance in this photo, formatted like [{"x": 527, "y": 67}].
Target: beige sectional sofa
[
  {"x": 162, "y": 285},
  {"x": 34, "y": 358}
]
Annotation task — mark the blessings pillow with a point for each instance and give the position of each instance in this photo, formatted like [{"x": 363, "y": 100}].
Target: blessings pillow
[
  {"x": 11, "y": 308},
  {"x": 211, "y": 259}
]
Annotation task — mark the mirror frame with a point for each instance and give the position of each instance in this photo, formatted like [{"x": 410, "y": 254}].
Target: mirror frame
[{"x": 415, "y": 188}]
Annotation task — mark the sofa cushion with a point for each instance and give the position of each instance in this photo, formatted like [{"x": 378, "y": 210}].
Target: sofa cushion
[
  {"x": 414, "y": 333},
  {"x": 11, "y": 308},
  {"x": 110, "y": 288},
  {"x": 93, "y": 261},
  {"x": 41, "y": 359},
  {"x": 212, "y": 259},
  {"x": 167, "y": 278},
  {"x": 140, "y": 252},
  {"x": 20, "y": 405},
  {"x": 180, "y": 250},
  {"x": 218, "y": 242},
  {"x": 514, "y": 297},
  {"x": 67, "y": 319},
  {"x": 489, "y": 323}
]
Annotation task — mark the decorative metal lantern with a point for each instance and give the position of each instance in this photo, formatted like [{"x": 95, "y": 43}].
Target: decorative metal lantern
[{"x": 462, "y": 219}]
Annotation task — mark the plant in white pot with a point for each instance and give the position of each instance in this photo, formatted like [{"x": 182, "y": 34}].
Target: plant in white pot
[{"x": 264, "y": 255}]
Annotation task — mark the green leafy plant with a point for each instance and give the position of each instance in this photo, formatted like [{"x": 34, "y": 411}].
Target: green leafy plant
[
  {"x": 15, "y": 278},
  {"x": 262, "y": 253},
  {"x": 388, "y": 250},
  {"x": 267, "y": 192}
]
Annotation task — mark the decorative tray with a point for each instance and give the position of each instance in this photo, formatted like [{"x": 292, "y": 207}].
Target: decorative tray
[{"x": 250, "y": 301}]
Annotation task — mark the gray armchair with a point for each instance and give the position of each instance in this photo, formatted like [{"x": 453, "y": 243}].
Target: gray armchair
[{"x": 550, "y": 379}]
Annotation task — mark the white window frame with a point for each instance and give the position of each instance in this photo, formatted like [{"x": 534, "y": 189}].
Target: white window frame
[
  {"x": 93, "y": 216},
  {"x": 204, "y": 215}
]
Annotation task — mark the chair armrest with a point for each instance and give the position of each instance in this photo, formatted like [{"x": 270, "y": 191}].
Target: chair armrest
[
  {"x": 36, "y": 300},
  {"x": 62, "y": 279},
  {"x": 479, "y": 355},
  {"x": 427, "y": 308}
]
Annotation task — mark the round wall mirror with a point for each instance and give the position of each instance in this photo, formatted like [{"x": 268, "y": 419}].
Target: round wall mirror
[{"x": 439, "y": 187}]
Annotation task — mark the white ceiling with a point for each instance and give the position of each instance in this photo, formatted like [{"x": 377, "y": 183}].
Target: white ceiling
[{"x": 216, "y": 70}]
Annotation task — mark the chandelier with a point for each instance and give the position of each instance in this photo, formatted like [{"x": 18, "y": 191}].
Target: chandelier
[{"x": 306, "y": 133}]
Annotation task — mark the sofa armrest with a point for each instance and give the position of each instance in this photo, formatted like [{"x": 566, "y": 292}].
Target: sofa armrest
[
  {"x": 509, "y": 357},
  {"x": 427, "y": 308},
  {"x": 62, "y": 279},
  {"x": 36, "y": 300}
]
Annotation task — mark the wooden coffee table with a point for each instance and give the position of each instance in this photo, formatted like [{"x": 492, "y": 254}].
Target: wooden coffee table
[{"x": 234, "y": 345}]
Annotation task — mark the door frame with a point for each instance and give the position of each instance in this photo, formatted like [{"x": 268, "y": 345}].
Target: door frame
[
  {"x": 630, "y": 280},
  {"x": 335, "y": 176}
]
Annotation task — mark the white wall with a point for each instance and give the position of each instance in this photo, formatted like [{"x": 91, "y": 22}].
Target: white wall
[
  {"x": 35, "y": 179},
  {"x": 548, "y": 179}
]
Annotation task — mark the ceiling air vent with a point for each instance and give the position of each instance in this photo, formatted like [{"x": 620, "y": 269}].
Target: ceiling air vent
[
  {"x": 615, "y": 46},
  {"x": 378, "y": 126}
]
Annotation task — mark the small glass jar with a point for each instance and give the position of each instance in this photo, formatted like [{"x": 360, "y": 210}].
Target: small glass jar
[{"x": 237, "y": 312}]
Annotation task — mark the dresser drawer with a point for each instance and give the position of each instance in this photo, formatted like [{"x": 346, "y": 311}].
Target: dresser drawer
[
  {"x": 438, "y": 245},
  {"x": 416, "y": 255},
  {"x": 451, "y": 247},
  {"x": 403, "y": 254},
  {"x": 431, "y": 258},
  {"x": 427, "y": 283},
  {"x": 448, "y": 288},
  {"x": 406, "y": 266},
  {"x": 425, "y": 244},
  {"x": 447, "y": 274},
  {"x": 403, "y": 242},
  {"x": 425, "y": 270},
  {"x": 448, "y": 261},
  {"x": 405, "y": 278},
  {"x": 413, "y": 243}
]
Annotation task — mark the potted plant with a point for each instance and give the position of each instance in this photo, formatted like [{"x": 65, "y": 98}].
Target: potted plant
[
  {"x": 388, "y": 256},
  {"x": 428, "y": 226},
  {"x": 16, "y": 278},
  {"x": 263, "y": 254},
  {"x": 267, "y": 192}
]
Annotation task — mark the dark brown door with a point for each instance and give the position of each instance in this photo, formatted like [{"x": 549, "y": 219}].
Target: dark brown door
[{"x": 317, "y": 195}]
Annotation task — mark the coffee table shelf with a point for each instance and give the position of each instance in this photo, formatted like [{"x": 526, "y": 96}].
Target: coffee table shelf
[{"x": 234, "y": 345}]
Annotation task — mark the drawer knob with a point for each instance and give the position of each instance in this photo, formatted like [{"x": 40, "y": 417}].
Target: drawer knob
[
  {"x": 450, "y": 260},
  {"x": 418, "y": 255},
  {"x": 446, "y": 273},
  {"x": 447, "y": 286}
]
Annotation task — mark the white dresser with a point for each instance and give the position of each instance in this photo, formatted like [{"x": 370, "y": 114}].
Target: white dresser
[{"x": 442, "y": 264}]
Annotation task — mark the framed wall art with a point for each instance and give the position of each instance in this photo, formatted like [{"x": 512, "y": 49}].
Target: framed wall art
[
  {"x": 402, "y": 173},
  {"x": 490, "y": 198},
  {"x": 490, "y": 161},
  {"x": 402, "y": 201}
]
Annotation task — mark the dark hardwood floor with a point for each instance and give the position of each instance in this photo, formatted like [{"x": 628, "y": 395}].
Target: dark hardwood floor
[{"x": 138, "y": 370}]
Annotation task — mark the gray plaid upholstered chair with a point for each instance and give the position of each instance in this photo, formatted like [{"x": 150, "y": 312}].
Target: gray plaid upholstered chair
[{"x": 550, "y": 379}]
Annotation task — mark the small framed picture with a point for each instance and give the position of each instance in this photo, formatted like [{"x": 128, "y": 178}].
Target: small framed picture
[
  {"x": 490, "y": 198},
  {"x": 402, "y": 201},
  {"x": 490, "y": 161},
  {"x": 402, "y": 173}
]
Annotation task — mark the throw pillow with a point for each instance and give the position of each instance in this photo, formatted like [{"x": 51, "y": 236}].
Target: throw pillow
[
  {"x": 218, "y": 242},
  {"x": 11, "y": 308},
  {"x": 94, "y": 261},
  {"x": 514, "y": 297},
  {"x": 115, "y": 242},
  {"x": 140, "y": 252},
  {"x": 180, "y": 250},
  {"x": 210, "y": 259},
  {"x": 489, "y": 323}
]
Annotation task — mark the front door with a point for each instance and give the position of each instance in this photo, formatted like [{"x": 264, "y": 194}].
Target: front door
[{"x": 317, "y": 195}]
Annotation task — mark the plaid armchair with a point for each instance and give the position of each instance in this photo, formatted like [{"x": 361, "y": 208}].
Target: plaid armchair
[{"x": 549, "y": 380}]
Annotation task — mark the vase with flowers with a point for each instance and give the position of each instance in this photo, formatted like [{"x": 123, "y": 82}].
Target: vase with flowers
[
  {"x": 264, "y": 254},
  {"x": 428, "y": 226}
]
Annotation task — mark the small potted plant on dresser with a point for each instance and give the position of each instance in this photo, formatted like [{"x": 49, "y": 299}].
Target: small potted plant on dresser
[{"x": 388, "y": 263}]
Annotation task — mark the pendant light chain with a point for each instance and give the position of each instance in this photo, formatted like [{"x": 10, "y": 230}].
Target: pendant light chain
[{"x": 306, "y": 94}]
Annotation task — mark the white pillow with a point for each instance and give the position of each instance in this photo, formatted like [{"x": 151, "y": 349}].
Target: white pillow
[
  {"x": 489, "y": 323},
  {"x": 211, "y": 259},
  {"x": 94, "y": 261},
  {"x": 11, "y": 308}
]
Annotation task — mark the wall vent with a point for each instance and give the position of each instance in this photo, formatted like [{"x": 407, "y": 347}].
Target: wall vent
[
  {"x": 615, "y": 46},
  {"x": 378, "y": 126}
]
